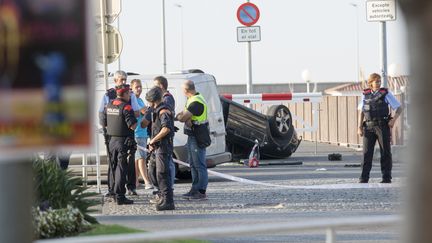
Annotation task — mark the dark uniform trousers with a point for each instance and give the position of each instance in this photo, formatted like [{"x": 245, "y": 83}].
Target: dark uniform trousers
[
  {"x": 131, "y": 175},
  {"x": 110, "y": 176},
  {"x": 163, "y": 159},
  {"x": 154, "y": 163},
  {"x": 373, "y": 131},
  {"x": 152, "y": 168},
  {"x": 122, "y": 159}
]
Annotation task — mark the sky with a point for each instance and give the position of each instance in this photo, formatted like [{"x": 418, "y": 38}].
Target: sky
[{"x": 318, "y": 35}]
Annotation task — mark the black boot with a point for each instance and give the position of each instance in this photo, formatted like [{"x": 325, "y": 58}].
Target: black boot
[
  {"x": 167, "y": 203},
  {"x": 110, "y": 194},
  {"x": 165, "y": 206},
  {"x": 123, "y": 201}
]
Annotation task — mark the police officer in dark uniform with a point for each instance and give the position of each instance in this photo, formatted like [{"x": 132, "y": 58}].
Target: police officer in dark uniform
[
  {"x": 375, "y": 123},
  {"x": 168, "y": 100},
  {"x": 121, "y": 123},
  {"x": 161, "y": 144},
  {"x": 120, "y": 78}
]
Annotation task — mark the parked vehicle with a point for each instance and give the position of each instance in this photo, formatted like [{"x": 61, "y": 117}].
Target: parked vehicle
[
  {"x": 274, "y": 131},
  {"x": 233, "y": 127}
]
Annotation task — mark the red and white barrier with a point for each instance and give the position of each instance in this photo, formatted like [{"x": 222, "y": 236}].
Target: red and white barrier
[
  {"x": 274, "y": 97},
  {"x": 277, "y": 98}
]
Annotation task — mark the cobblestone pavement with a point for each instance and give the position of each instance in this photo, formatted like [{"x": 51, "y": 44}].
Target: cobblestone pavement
[
  {"x": 236, "y": 203},
  {"x": 234, "y": 197}
]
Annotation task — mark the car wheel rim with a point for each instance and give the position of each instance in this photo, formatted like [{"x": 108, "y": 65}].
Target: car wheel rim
[{"x": 282, "y": 120}]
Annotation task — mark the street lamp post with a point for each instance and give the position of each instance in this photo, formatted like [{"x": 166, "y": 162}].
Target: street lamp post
[
  {"x": 306, "y": 77},
  {"x": 358, "y": 42},
  {"x": 163, "y": 39},
  {"x": 181, "y": 37}
]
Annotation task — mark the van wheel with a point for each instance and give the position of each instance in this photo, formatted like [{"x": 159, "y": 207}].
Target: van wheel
[{"x": 280, "y": 120}]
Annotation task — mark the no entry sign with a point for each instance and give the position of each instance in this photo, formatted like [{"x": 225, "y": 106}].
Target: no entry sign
[{"x": 248, "y": 14}]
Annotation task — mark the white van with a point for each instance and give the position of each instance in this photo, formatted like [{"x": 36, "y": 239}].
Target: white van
[{"x": 204, "y": 84}]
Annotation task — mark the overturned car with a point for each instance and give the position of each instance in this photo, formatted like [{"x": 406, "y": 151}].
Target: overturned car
[{"x": 274, "y": 131}]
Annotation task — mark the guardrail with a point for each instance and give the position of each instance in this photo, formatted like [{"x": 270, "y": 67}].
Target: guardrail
[{"x": 329, "y": 225}]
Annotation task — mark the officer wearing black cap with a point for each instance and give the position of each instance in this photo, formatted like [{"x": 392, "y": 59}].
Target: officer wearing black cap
[
  {"x": 121, "y": 123},
  {"x": 120, "y": 78},
  {"x": 161, "y": 143}
]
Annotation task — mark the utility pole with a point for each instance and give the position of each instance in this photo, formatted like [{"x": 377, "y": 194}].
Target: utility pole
[
  {"x": 249, "y": 87},
  {"x": 163, "y": 39},
  {"x": 383, "y": 52}
]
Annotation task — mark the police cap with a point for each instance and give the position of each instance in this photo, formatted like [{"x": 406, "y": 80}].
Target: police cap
[
  {"x": 121, "y": 89},
  {"x": 154, "y": 94}
]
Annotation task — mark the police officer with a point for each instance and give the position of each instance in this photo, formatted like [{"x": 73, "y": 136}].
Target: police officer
[
  {"x": 161, "y": 144},
  {"x": 168, "y": 99},
  {"x": 374, "y": 124},
  {"x": 195, "y": 118},
  {"x": 121, "y": 123},
  {"x": 120, "y": 77}
]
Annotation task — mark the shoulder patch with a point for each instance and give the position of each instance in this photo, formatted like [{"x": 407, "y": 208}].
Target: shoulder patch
[
  {"x": 367, "y": 91},
  {"x": 117, "y": 102},
  {"x": 128, "y": 107}
]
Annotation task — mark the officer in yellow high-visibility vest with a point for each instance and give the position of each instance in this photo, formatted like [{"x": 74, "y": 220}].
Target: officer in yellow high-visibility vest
[{"x": 196, "y": 127}]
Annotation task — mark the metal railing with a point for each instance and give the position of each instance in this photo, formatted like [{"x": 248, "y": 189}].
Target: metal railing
[
  {"x": 84, "y": 163},
  {"x": 329, "y": 225}
]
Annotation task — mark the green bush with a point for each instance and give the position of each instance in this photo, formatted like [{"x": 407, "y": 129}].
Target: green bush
[
  {"x": 53, "y": 223},
  {"x": 56, "y": 189}
]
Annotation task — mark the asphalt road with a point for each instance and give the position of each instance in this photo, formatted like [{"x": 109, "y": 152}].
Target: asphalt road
[{"x": 233, "y": 203}]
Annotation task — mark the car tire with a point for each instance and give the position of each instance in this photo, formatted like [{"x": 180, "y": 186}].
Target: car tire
[{"x": 280, "y": 120}]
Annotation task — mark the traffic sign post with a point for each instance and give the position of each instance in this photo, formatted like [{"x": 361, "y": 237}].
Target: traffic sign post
[
  {"x": 114, "y": 44},
  {"x": 245, "y": 34},
  {"x": 112, "y": 9},
  {"x": 378, "y": 11},
  {"x": 382, "y": 11},
  {"x": 248, "y": 14},
  {"x": 111, "y": 44}
]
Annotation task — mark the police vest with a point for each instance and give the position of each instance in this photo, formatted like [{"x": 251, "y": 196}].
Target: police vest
[
  {"x": 201, "y": 119},
  {"x": 157, "y": 124},
  {"x": 116, "y": 121},
  {"x": 375, "y": 107}
]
